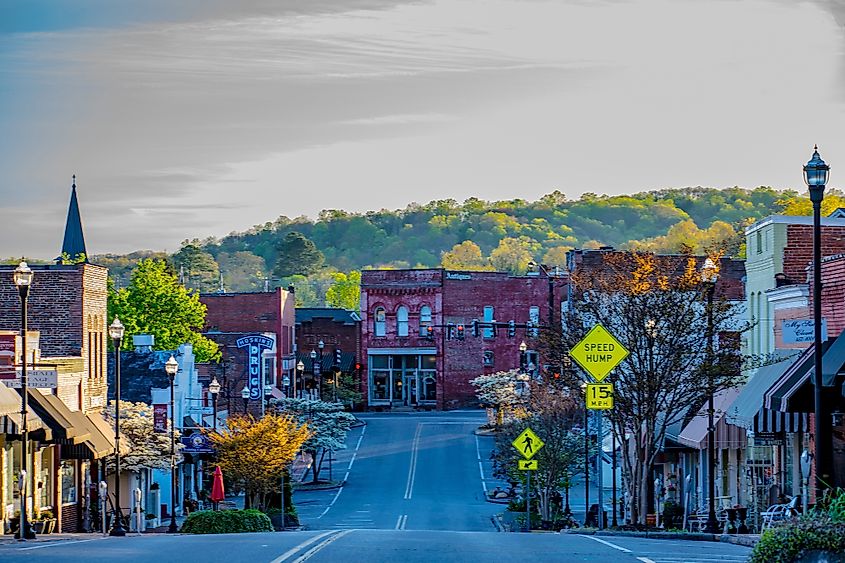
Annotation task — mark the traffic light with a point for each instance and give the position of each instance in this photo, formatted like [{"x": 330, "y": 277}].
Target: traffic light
[
  {"x": 429, "y": 332},
  {"x": 511, "y": 329},
  {"x": 338, "y": 356},
  {"x": 460, "y": 330},
  {"x": 475, "y": 331},
  {"x": 450, "y": 331}
]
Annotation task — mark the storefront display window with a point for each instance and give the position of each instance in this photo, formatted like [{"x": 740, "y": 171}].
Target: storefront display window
[{"x": 68, "y": 472}]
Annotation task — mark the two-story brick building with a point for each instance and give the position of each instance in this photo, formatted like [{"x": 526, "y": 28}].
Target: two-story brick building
[
  {"x": 339, "y": 330},
  {"x": 415, "y": 355}
]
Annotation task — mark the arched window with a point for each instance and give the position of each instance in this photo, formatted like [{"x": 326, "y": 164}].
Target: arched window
[
  {"x": 402, "y": 321},
  {"x": 425, "y": 319},
  {"x": 380, "y": 325}
]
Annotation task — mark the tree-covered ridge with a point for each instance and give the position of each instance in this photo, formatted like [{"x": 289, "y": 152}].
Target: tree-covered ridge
[{"x": 474, "y": 234}]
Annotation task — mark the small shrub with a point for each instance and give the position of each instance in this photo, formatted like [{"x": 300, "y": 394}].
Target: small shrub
[
  {"x": 786, "y": 543},
  {"x": 227, "y": 522}
]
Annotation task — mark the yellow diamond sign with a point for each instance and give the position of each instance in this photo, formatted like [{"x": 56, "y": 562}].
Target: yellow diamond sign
[
  {"x": 528, "y": 443},
  {"x": 598, "y": 352}
]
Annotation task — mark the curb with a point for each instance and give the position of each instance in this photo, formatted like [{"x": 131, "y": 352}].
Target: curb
[
  {"x": 327, "y": 487},
  {"x": 747, "y": 540},
  {"x": 650, "y": 535},
  {"x": 498, "y": 525}
]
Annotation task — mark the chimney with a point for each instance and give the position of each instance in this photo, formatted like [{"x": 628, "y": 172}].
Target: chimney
[{"x": 143, "y": 343}]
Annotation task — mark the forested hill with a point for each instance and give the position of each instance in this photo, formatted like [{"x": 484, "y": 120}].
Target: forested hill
[{"x": 475, "y": 234}]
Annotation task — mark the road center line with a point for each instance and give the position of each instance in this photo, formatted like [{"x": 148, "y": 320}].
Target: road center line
[
  {"x": 412, "y": 470},
  {"x": 301, "y": 546},
  {"x": 54, "y": 544},
  {"x": 645, "y": 559},
  {"x": 310, "y": 553},
  {"x": 607, "y": 543}
]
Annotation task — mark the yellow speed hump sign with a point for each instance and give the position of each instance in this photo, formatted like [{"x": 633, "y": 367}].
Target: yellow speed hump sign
[
  {"x": 528, "y": 443},
  {"x": 598, "y": 352},
  {"x": 599, "y": 396}
]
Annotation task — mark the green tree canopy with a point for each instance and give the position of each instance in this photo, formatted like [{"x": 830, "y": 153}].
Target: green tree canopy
[
  {"x": 297, "y": 254},
  {"x": 465, "y": 256},
  {"x": 198, "y": 267},
  {"x": 345, "y": 291},
  {"x": 155, "y": 303},
  {"x": 513, "y": 255}
]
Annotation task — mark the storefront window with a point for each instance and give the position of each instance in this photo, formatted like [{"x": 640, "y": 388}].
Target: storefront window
[
  {"x": 43, "y": 483},
  {"x": 68, "y": 472}
]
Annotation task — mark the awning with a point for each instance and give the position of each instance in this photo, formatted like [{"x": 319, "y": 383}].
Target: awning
[
  {"x": 347, "y": 362},
  {"x": 10, "y": 401},
  {"x": 10, "y": 413},
  {"x": 58, "y": 417},
  {"x": 833, "y": 361},
  {"x": 748, "y": 410},
  {"x": 694, "y": 434},
  {"x": 98, "y": 444},
  {"x": 778, "y": 396}
]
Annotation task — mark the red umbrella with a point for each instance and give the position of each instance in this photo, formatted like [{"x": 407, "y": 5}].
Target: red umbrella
[{"x": 217, "y": 492}]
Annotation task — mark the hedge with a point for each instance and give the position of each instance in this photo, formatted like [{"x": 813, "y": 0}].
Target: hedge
[
  {"x": 227, "y": 522},
  {"x": 787, "y": 543}
]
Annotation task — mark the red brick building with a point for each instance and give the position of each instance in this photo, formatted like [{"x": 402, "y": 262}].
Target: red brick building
[
  {"x": 239, "y": 323},
  {"x": 407, "y": 365},
  {"x": 340, "y": 332}
]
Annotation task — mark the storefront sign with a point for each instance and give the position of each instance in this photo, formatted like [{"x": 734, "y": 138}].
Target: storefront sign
[
  {"x": 796, "y": 331},
  {"x": 768, "y": 439},
  {"x": 255, "y": 345},
  {"x": 35, "y": 378},
  {"x": 456, "y": 276},
  {"x": 7, "y": 349},
  {"x": 196, "y": 443},
  {"x": 160, "y": 418}
]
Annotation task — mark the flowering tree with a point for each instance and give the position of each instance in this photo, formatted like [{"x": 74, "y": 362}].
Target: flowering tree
[
  {"x": 257, "y": 451},
  {"x": 148, "y": 449},
  {"x": 328, "y": 422},
  {"x": 499, "y": 390}
]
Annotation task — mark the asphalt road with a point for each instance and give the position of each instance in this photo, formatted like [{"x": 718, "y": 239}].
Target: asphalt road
[
  {"x": 414, "y": 492},
  {"x": 416, "y": 471}
]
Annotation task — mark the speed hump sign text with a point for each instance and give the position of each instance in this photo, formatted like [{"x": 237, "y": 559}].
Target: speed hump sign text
[
  {"x": 598, "y": 352},
  {"x": 599, "y": 396}
]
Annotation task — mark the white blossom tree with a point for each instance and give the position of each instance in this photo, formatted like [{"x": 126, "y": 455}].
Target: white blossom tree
[
  {"x": 499, "y": 390},
  {"x": 148, "y": 449}
]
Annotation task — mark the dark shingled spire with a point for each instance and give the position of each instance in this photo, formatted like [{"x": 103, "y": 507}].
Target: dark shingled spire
[{"x": 73, "y": 246}]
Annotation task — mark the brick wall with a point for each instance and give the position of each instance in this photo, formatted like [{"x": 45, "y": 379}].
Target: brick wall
[{"x": 798, "y": 252}]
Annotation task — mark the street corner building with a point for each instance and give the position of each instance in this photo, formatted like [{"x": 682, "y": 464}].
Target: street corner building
[{"x": 417, "y": 330}]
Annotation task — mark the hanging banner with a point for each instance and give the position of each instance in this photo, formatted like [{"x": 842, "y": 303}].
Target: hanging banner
[
  {"x": 159, "y": 418},
  {"x": 255, "y": 344}
]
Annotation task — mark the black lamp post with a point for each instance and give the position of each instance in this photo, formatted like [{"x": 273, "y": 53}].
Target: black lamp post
[
  {"x": 319, "y": 381},
  {"x": 709, "y": 276},
  {"x": 268, "y": 394},
  {"x": 245, "y": 398},
  {"x": 171, "y": 366},
  {"x": 116, "y": 330},
  {"x": 300, "y": 375},
  {"x": 214, "y": 389},
  {"x": 816, "y": 175},
  {"x": 314, "y": 367},
  {"x": 22, "y": 277}
]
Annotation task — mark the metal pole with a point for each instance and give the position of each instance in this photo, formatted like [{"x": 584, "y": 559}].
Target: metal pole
[
  {"x": 600, "y": 465},
  {"x": 527, "y": 501},
  {"x": 117, "y": 526},
  {"x": 172, "y": 528},
  {"x": 586, "y": 464},
  {"x": 823, "y": 438},
  {"x": 214, "y": 421},
  {"x": 25, "y": 532},
  {"x": 712, "y": 526},
  {"x": 614, "y": 522}
]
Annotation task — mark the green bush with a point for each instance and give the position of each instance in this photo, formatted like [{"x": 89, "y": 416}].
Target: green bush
[
  {"x": 227, "y": 522},
  {"x": 784, "y": 544}
]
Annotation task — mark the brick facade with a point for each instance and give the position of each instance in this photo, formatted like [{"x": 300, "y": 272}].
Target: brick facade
[
  {"x": 798, "y": 252},
  {"x": 453, "y": 297}
]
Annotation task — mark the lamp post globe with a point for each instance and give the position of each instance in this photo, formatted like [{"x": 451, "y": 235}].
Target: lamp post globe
[
  {"x": 171, "y": 367},
  {"x": 816, "y": 173},
  {"x": 214, "y": 389},
  {"x": 709, "y": 276},
  {"x": 116, "y": 332},
  {"x": 245, "y": 398},
  {"x": 22, "y": 277},
  {"x": 299, "y": 376}
]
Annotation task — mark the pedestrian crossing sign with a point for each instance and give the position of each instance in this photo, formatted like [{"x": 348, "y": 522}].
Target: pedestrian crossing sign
[
  {"x": 528, "y": 465},
  {"x": 528, "y": 443}
]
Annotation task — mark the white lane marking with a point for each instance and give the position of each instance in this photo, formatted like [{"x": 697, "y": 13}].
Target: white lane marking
[
  {"x": 308, "y": 554},
  {"x": 401, "y": 522},
  {"x": 607, "y": 543},
  {"x": 346, "y": 477},
  {"x": 412, "y": 470},
  {"x": 483, "y": 482},
  {"x": 351, "y": 461},
  {"x": 477, "y": 448},
  {"x": 331, "y": 504},
  {"x": 301, "y": 546},
  {"x": 54, "y": 544},
  {"x": 645, "y": 559}
]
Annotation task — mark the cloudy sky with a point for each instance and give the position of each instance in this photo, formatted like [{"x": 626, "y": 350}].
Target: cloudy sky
[{"x": 200, "y": 117}]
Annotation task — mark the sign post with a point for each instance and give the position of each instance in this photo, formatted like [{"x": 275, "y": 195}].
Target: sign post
[
  {"x": 528, "y": 444},
  {"x": 598, "y": 353}
]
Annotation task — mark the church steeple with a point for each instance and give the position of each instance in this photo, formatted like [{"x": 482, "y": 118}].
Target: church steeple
[{"x": 73, "y": 246}]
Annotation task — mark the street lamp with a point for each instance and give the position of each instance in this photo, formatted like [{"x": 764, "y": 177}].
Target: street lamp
[
  {"x": 300, "y": 375},
  {"x": 313, "y": 366},
  {"x": 22, "y": 277},
  {"x": 116, "y": 331},
  {"x": 171, "y": 366},
  {"x": 522, "y": 358},
  {"x": 214, "y": 389},
  {"x": 268, "y": 394},
  {"x": 709, "y": 277},
  {"x": 245, "y": 397},
  {"x": 815, "y": 175},
  {"x": 319, "y": 382}
]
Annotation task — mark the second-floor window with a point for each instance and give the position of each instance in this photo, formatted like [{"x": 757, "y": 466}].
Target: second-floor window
[
  {"x": 402, "y": 321},
  {"x": 380, "y": 325},
  {"x": 425, "y": 319}
]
